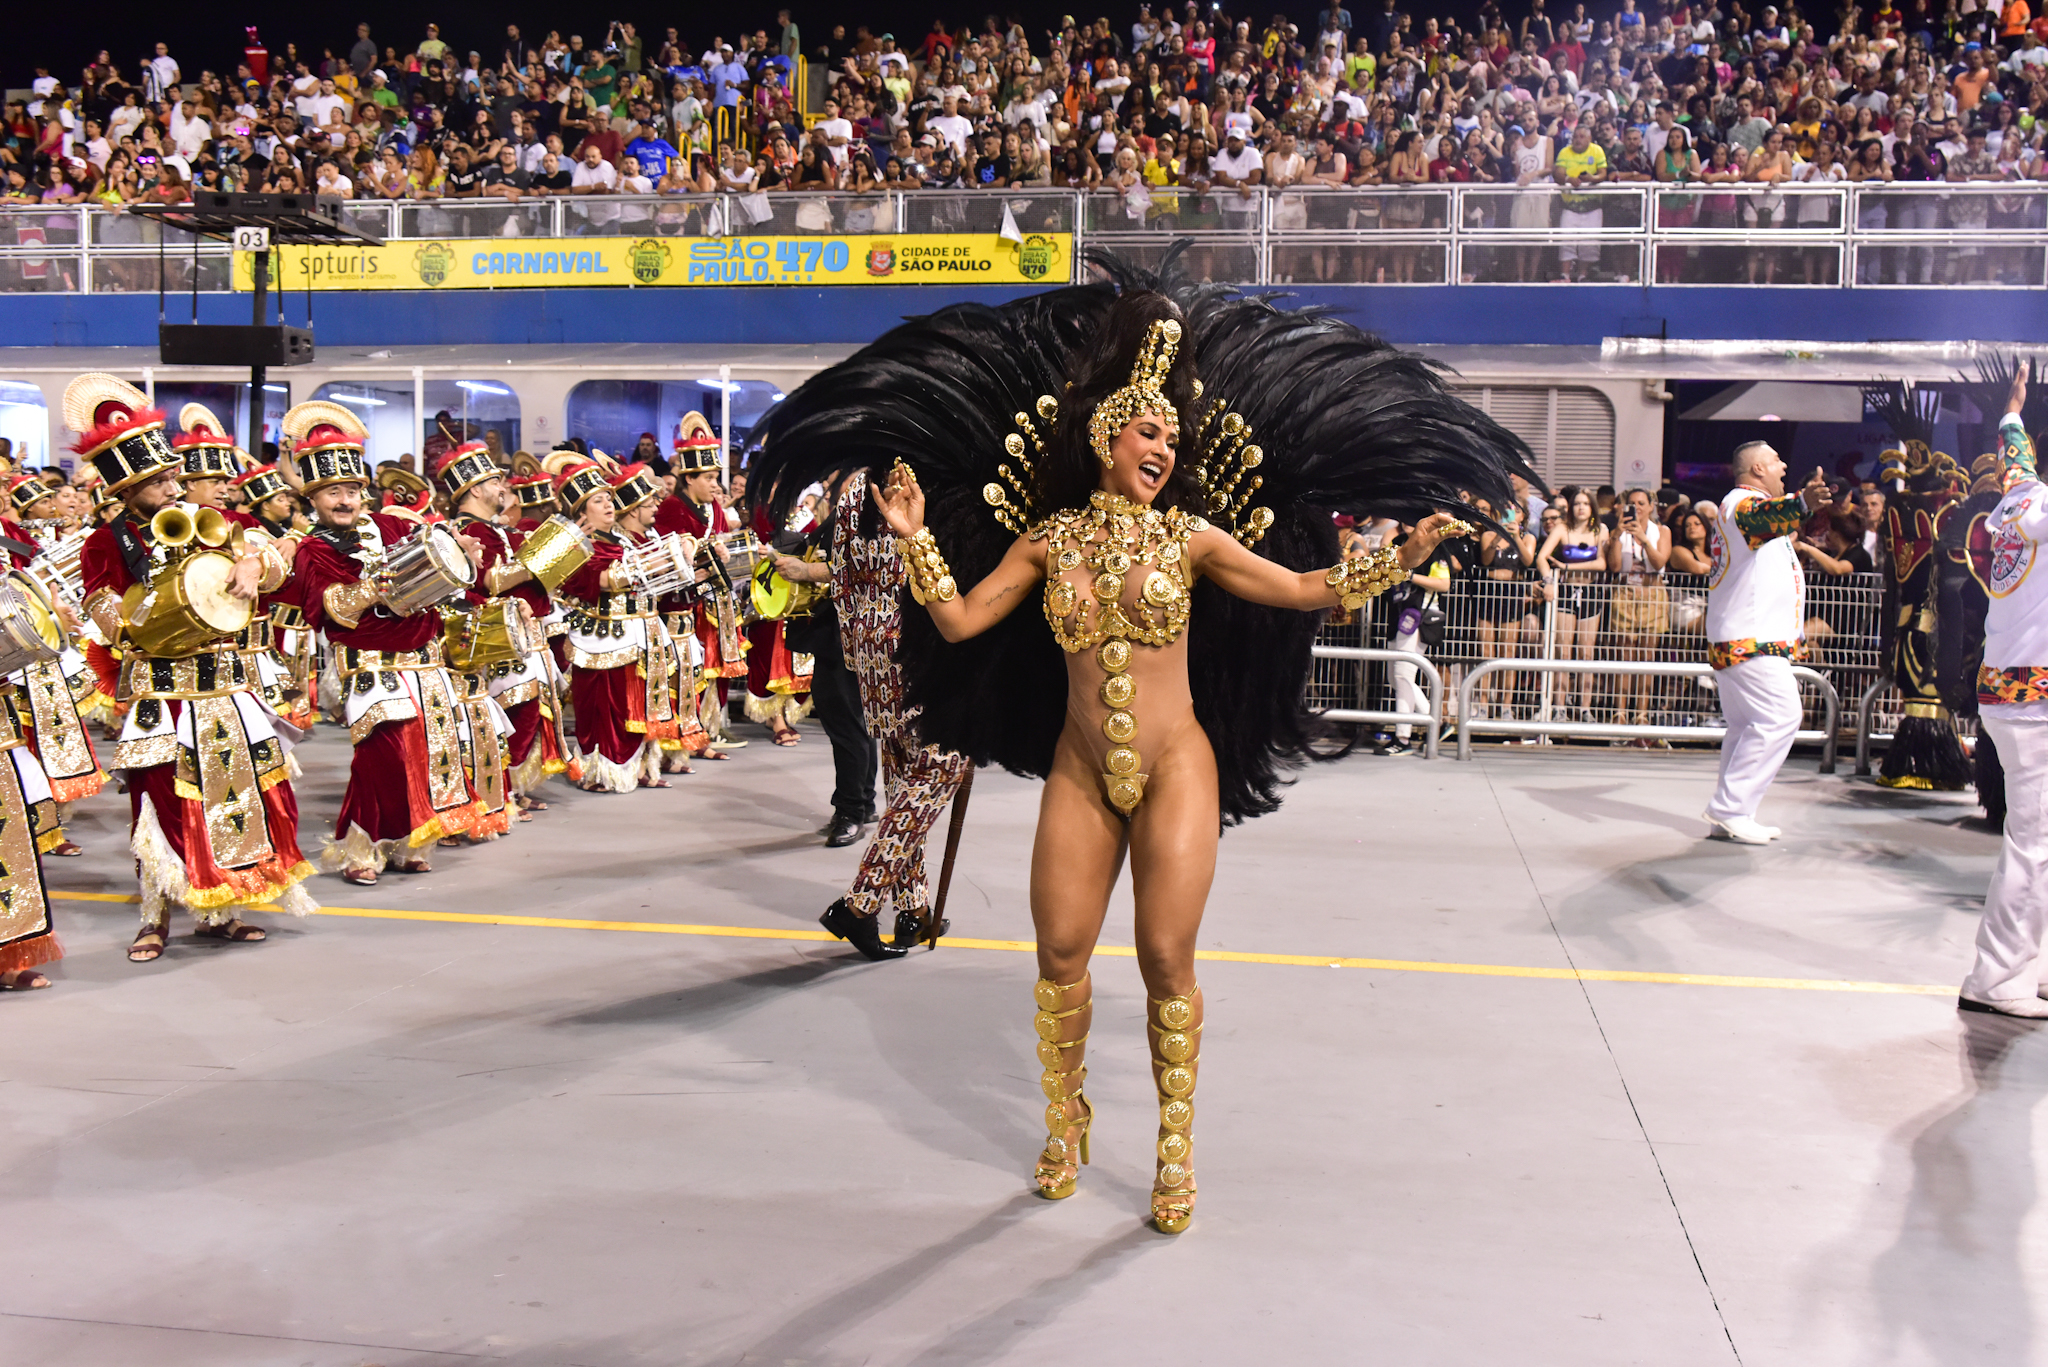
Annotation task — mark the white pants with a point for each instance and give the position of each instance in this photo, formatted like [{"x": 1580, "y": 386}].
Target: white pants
[
  {"x": 1408, "y": 694},
  {"x": 2016, "y": 906},
  {"x": 1760, "y": 702}
]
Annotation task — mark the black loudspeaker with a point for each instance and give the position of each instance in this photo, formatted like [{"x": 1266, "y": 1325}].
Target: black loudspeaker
[{"x": 243, "y": 344}]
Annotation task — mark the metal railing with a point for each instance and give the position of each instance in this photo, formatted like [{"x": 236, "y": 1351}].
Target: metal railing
[
  {"x": 1431, "y": 720},
  {"x": 1590, "y": 655},
  {"x": 1988, "y": 236},
  {"x": 1826, "y": 734}
]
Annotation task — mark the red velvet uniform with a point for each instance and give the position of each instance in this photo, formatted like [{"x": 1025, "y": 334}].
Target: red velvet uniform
[
  {"x": 215, "y": 822},
  {"x": 626, "y": 675},
  {"x": 527, "y": 691},
  {"x": 48, "y": 699},
  {"x": 407, "y": 783},
  {"x": 774, "y": 687}
]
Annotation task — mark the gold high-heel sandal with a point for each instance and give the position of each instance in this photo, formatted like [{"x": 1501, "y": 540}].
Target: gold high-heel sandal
[
  {"x": 1176, "y": 1039},
  {"x": 1060, "y": 1151}
]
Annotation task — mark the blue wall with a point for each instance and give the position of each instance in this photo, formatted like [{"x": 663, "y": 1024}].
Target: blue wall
[{"x": 1542, "y": 315}]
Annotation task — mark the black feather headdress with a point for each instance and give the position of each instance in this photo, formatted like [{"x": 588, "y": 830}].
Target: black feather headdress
[{"x": 1302, "y": 416}]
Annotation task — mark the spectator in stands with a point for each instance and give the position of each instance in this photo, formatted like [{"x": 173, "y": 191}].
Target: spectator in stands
[{"x": 1573, "y": 556}]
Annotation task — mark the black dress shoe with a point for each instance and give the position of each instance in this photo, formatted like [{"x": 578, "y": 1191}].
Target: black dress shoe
[
  {"x": 843, "y": 831},
  {"x": 910, "y": 928},
  {"x": 859, "y": 931}
]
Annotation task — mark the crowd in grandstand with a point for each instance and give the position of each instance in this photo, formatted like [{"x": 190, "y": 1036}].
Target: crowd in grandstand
[{"x": 1177, "y": 113}]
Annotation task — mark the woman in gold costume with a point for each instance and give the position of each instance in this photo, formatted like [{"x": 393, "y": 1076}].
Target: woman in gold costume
[{"x": 1111, "y": 526}]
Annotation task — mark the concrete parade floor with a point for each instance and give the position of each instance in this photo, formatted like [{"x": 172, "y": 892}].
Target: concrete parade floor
[{"x": 379, "y": 1140}]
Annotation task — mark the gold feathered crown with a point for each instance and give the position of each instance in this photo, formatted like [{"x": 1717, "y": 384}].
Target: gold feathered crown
[{"x": 1146, "y": 393}]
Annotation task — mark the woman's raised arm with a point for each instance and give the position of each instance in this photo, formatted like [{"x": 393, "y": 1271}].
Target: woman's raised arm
[{"x": 957, "y": 615}]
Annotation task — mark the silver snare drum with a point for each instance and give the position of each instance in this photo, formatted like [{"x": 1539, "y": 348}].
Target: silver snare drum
[
  {"x": 427, "y": 569},
  {"x": 23, "y": 641}
]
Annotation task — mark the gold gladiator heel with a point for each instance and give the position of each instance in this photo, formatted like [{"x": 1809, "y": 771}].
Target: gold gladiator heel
[
  {"x": 1060, "y": 1152},
  {"x": 1176, "y": 1036}
]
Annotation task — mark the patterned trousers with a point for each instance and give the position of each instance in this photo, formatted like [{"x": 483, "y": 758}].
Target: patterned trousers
[{"x": 917, "y": 782}]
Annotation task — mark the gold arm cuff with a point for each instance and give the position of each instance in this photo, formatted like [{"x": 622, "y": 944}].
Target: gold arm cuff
[
  {"x": 103, "y": 606},
  {"x": 345, "y": 604},
  {"x": 503, "y": 576},
  {"x": 1357, "y": 582},
  {"x": 931, "y": 579}
]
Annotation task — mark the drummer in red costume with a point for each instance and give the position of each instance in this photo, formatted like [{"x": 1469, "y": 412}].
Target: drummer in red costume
[
  {"x": 46, "y": 700},
  {"x": 286, "y": 675},
  {"x": 407, "y": 785},
  {"x": 627, "y": 674},
  {"x": 211, "y": 467},
  {"x": 707, "y": 630},
  {"x": 524, "y": 689},
  {"x": 778, "y": 679},
  {"x": 215, "y": 822}
]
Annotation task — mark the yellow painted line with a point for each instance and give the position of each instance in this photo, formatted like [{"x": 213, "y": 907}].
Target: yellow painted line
[{"x": 1597, "y": 975}]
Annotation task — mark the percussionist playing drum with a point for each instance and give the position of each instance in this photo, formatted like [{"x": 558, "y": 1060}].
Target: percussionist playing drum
[
  {"x": 407, "y": 785},
  {"x": 215, "y": 821}
]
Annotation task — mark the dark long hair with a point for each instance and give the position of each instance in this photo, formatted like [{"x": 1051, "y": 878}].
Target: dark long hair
[{"x": 1070, "y": 472}]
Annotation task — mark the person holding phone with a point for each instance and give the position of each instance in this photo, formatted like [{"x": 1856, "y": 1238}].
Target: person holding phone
[{"x": 1754, "y": 592}]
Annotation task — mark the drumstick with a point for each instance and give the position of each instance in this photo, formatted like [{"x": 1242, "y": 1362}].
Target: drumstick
[{"x": 934, "y": 917}]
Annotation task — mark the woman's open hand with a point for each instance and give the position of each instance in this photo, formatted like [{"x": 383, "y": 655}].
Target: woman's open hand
[{"x": 901, "y": 501}]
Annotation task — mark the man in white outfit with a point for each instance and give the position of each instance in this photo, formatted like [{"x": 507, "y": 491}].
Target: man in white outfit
[
  {"x": 1755, "y": 623},
  {"x": 2012, "y": 707}
]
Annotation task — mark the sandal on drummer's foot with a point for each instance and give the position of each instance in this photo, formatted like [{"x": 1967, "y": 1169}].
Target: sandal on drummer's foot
[
  {"x": 232, "y": 932},
  {"x": 786, "y": 736},
  {"x": 1068, "y": 1116},
  {"x": 1175, "y": 1029},
  {"x": 364, "y": 877},
  {"x": 22, "y": 980},
  {"x": 656, "y": 783},
  {"x": 449, "y": 842},
  {"x": 410, "y": 866},
  {"x": 70, "y": 849},
  {"x": 149, "y": 944}
]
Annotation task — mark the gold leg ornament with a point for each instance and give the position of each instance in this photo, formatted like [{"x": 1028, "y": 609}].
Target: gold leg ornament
[
  {"x": 1066, "y": 1110},
  {"x": 1175, "y": 1028}
]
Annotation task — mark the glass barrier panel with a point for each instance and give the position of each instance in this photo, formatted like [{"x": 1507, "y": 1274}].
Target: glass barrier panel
[
  {"x": 369, "y": 216},
  {"x": 1752, "y": 260},
  {"x": 1217, "y": 259},
  {"x": 1350, "y": 260},
  {"x": 474, "y": 218},
  {"x": 32, "y": 270},
  {"x": 1756, "y": 208},
  {"x": 1985, "y": 263},
  {"x": 133, "y": 272},
  {"x": 1972, "y": 208},
  {"x": 1550, "y": 263},
  {"x": 1534, "y": 208},
  {"x": 950, "y": 211}
]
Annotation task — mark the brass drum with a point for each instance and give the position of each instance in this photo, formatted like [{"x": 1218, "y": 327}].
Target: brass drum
[
  {"x": 189, "y": 607},
  {"x": 426, "y": 570},
  {"x": 502, "y": 632},
  {"x": 29, "y": 631},
  {"x": 553, "y": 551}
]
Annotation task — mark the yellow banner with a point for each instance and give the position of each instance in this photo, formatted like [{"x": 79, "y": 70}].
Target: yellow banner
[{"x": 526, "y": 263}]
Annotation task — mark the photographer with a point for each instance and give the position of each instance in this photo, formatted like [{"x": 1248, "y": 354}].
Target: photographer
[{"x": 1640, "y": 609}]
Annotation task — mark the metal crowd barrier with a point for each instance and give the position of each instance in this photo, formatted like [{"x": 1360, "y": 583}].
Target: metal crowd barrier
[
  {"x": 1431, "y": 721},
  {"x": 1975, "y": 235},
  {"x": 1826, "y": 736},
  {"x": 1593, "y": 657},
  {"x": 1877, "y": 717}
]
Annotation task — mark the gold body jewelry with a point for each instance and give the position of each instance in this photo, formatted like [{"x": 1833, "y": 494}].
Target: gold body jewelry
[
  {"x": 931, "y": 580},
  {"x": 1176, "y": 1054},
  {"x": 1358, "y": 581},
  {"x": 1119, "y": 543}
]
